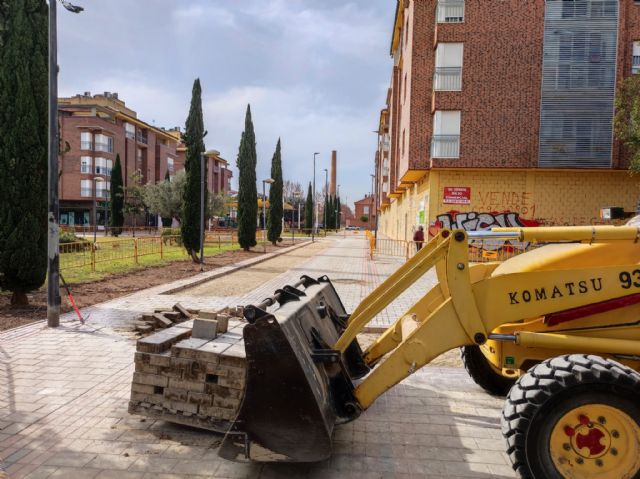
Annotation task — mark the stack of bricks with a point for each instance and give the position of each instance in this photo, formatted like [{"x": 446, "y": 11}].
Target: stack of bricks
[
  {"x": 193, "y": 373},
  {"x": 162, "y": 318}
]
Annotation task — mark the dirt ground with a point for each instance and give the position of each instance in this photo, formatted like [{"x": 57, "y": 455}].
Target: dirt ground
[
  {"x": 116, "y": 285},
  {"x": 248, "y": 279},
  {"x": 450, "y": 359}
]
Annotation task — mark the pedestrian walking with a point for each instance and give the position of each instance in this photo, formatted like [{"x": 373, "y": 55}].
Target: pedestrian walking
[{"x": 418, "y": 237}]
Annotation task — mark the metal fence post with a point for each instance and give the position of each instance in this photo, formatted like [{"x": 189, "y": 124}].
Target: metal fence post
[
  {"x": 161, "y": 250},
  {"x": 93, "y": 257},
  {"x": 135, "y": 249}
]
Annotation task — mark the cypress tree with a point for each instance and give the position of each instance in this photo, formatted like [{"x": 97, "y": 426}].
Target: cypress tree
[
  {"x": 23, "y": 146},
  {"x": 274, "y": 222},
  {"x": 247, "y": 191},
  {"x": 194, "y": 140},
  {"x": 339, "y": 214},
  {"x": 308, "y": 210},
  {"x": 332, "y": 212},
  {"x": 116, "y": 219}
]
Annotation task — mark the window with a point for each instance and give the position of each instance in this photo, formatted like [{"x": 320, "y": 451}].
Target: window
[
  {"x": 104, "y": 143},
  {"x": 86, "y": 141},
  {"x": 446, "y": 137},
  {"x": 86, "y": 189},
  {"x": 365, "y": 210},
  {"x": 130, "y": 131},
  {"x": 450, "y": 11},
  {"x": 448, "y": 76},
  {"x": 404, "y": 97},
  {"x": 103, "y": 166},
  {"x": 403, "y": 138},
  {"x": 102, "y": 189},
  {"x": 85, "y": 164},
  {"x": 635, "y": 65},
  {"x": 170, "y": 165}
]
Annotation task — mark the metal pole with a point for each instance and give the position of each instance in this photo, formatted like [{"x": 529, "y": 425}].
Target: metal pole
[
  {"x": 264, "y": 216},
  {"x": 313, "y": 213},
  {"x": 53, "y": 233},
  {"x": 95, "y": 210},
  {"x": 374, "y": 190},
  {"x": 326, "y": 198},
  {"x": 202, "y": 180},
  {"x": 299, "y": 203}
]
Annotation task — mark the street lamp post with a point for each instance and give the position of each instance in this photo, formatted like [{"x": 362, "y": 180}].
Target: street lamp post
[
  {"x": 297, "y": 195},
  {"x": 314, "y": 223},
  {"x": 326, "y": 198},
  {"x": 96, "y": 180},
  {"x": 264, "y": 212},
  {"x": 53, "y": 214},
  {"x": 374, "y": 189}
]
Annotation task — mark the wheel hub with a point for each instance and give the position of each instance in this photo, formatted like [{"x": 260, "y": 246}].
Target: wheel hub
[{"x": 596, "y": 440}]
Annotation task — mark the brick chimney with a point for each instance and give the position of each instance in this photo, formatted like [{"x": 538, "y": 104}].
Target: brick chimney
[{"x": 334, "y": 166}]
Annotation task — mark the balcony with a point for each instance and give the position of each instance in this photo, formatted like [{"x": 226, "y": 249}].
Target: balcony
[
  {"x": 445, "y": 146},
  {"x": 86, "y": 145},
  {"x": 635, "y": 65},
  {"x": 141, "y": 138},
  {"x": 448, "y": 79},
  {"x": 450, "y": 11}
]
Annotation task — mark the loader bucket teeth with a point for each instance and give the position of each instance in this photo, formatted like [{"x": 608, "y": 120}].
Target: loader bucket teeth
[{"x": 297, "y": 387}]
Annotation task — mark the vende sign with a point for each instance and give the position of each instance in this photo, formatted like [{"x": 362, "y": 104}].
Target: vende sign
[{"x": 457, "y": 195}]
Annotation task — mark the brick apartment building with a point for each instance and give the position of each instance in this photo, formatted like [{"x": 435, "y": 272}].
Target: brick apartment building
[
  {"x": 500, "y": 113},
  {"x": 99, "y": 127},
  {"x": 218, "y": 172},
  {"x": 364, "y": 208}
]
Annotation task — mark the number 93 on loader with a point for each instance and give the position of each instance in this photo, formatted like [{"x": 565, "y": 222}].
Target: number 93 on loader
[{"x": 559, "y": 323}]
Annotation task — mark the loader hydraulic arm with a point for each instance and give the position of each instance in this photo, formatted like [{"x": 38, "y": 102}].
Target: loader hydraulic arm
[{"x": 469, "y": 303}]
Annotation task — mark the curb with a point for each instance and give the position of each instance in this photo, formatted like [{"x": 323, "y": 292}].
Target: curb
[{"x": 217, "y": 273}]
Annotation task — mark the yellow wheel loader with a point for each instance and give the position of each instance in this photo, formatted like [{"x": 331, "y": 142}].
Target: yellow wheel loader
[{"x": 567, "y": 312}]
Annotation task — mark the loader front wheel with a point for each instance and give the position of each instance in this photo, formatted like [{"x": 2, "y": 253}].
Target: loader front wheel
[
  {"x": 574, "y": 416},
  {"x": 482, "y": 373}
]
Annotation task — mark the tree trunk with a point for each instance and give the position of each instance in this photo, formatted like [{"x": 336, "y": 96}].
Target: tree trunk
[
  {"x": 246, "y": 248},
  {"x": 195, "y": 257},
  {"x": 19, "y": 299}
]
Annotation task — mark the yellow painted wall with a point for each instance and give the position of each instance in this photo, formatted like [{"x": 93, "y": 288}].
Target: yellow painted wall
[{"x": 549, "y": 197}]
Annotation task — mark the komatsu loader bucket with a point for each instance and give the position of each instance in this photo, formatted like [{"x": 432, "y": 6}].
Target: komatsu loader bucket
[{"x": 297, "y": 387}]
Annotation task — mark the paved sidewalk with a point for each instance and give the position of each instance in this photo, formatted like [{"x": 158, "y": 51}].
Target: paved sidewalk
[{"x": 64, "y": 395}]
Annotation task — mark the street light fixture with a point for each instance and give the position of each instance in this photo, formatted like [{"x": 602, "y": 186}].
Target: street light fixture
[
  {"x": 314, "y": 223},
  {"x": 96, "y": 180},
  {"x": 53, "y": 214},
  {"x": 264, "y": 212}
]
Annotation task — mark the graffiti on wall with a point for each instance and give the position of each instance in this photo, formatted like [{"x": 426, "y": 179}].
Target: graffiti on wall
[{"x": 474, "y": 221}]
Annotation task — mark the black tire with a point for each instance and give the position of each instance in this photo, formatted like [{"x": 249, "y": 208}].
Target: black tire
[
  {"x": 551, "y": 389},
  {"x": 483, "y": 373}
]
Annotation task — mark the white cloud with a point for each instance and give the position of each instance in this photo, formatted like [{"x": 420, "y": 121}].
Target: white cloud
[{"x": 315, "y": 73}]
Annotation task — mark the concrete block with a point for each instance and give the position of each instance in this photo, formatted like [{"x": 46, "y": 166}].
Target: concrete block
[
  {"x": 206, "y": 314},
  {"x": 162, "y": 321},
  {"x": 182, "y": 310},
  {"x": 204, "y": 328},
  {"x": 150, "y": 379},
  {"x": 187, "y": 347},
  {"x": 223, "y": 323},
  {"x": 195, "y": 386},
  {"x": 162, "y": 340},
  {"x": 162, "y": 360}
]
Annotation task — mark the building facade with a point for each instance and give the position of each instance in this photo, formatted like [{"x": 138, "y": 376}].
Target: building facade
[
  {"x": 501, "y": 114},
  {"x": 94, "y": 129},
  {"x": 218, "y": 172},
  {"x": 364, "y": 208}
]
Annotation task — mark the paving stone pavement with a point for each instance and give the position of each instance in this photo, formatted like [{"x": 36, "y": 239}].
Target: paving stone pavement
[{"x": 64, "y": 395}]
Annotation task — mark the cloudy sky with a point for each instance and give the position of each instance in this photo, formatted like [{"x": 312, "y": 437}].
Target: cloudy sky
[{"x": 314, "y": 71}]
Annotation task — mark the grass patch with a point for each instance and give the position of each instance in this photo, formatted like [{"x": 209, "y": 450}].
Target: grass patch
[{"x": 114, "y": 258}]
